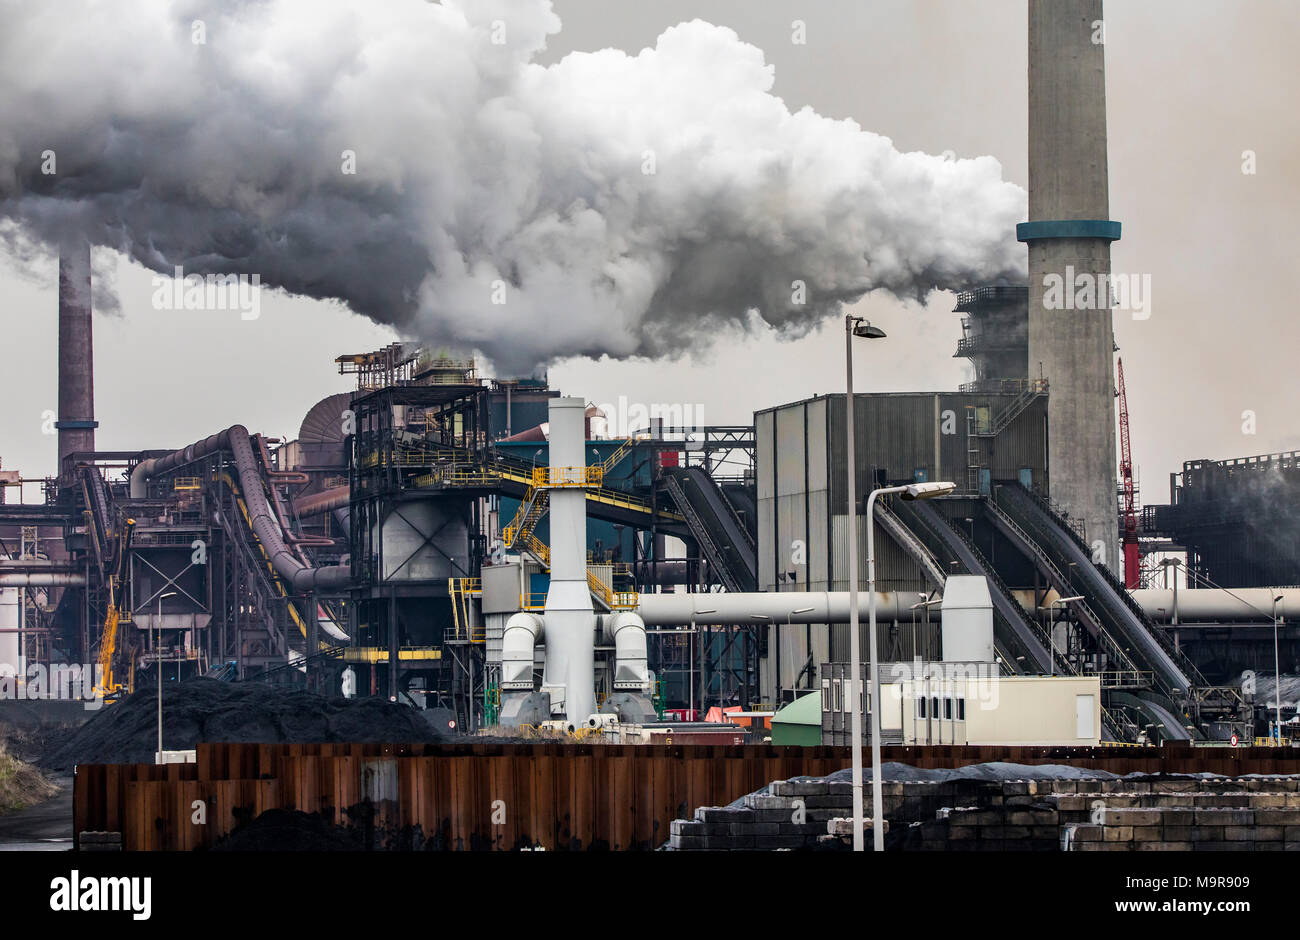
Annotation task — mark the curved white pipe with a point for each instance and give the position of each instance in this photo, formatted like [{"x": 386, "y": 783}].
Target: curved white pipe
[
  {"x": 521, "y": 635},
  {"x": 626, "y": 631}
]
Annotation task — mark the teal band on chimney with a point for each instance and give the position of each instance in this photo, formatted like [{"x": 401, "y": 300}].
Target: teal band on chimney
[{"x": 1068, "y": 228}]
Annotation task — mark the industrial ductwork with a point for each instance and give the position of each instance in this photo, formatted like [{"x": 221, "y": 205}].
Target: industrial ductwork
[
  {"x": 518, "y": 640},
  {"x": 626, "y": 631},
  {"x": 287, "y": 565},
  {"x": 317, "y": 504}
]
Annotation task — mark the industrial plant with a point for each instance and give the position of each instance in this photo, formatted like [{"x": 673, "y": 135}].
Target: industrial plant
[{"x": 946, "y": 577}]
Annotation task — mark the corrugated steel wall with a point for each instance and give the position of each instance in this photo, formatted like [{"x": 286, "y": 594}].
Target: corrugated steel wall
[{"x": 490, "y": 796}]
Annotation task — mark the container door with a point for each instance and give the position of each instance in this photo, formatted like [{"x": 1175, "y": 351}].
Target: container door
[{"x": 1084, "y": 706}]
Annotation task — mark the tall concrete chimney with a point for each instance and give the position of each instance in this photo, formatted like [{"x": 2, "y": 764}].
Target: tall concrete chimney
[
  {"x": 76, "y": 423},
  {"x": 1069, "y": 234}
]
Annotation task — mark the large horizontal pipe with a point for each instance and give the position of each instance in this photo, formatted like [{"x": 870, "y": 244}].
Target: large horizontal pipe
[
  {"x": 318, "y": 504},
  {"x": 13, "y": 579},
  {"x": 1254, "y": 604},
  {"x": 264, "y": 524},
  {"x": 774, "y": 607},
  {"x": 1196, "y": 604}
]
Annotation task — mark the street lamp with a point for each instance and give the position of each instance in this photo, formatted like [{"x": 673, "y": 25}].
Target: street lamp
[
  {"x": 789, "y": 622},
  {"x": 157, "y": 665},
  {"x": 699, "y": 643},
  {"x": 855, "y": 326},
  {"x": 908, "y": 491},
  {"x": 1277, "y": 672}
]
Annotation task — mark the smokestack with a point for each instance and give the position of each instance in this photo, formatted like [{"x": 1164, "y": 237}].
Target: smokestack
[
  {"x": 1069, "y": 234},
  {"x": 76, "y": 424}
]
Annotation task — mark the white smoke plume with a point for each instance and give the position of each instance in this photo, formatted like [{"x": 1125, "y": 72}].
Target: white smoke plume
[{"x": 606, "y": 204}]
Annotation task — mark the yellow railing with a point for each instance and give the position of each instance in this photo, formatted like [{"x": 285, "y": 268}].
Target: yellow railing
[
  {"x": 600, "y": 588},
  {"x": 379, "y": 654},
  {"x": 612, "y": 460},
  {"x": 185, "y": 483},
  {"x": 461, "y": 589},
  {"x": 458, "y": 475},
  {"x": 558, "y": 477},
  {"x": 614, "y": 600}
]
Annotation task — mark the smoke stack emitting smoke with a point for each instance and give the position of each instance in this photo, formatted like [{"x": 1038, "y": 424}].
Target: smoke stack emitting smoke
[{"x": 618, "y": 205}]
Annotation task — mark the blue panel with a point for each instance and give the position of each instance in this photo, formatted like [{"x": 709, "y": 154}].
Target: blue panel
[
  {"x": 918, "y": 475},
  {"x": 1068, "y": 228},
  {"x": 986, "y": 481},
  {"x": 1026, "y": 475}
]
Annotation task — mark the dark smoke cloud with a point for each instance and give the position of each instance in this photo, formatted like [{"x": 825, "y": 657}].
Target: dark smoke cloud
[{"x": 619, "y": 205}]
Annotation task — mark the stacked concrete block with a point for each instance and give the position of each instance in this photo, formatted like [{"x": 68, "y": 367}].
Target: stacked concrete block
[
  {"x": 1200, "y": 815},
  {"x": 1018, "y": 827},
  {"x": 973, "y": 815},
  {"x": 793, "y": 815}
]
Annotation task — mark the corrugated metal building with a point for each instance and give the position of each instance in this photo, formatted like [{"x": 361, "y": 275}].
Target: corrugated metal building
[{"x": 970, "y": 438}]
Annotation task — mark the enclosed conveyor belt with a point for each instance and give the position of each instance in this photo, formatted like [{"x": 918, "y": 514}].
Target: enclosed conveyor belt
[
  {"x": 1147, "y": 646},
  {"x": 714, "y": 525},
  {"x": 1009, "y": 617}
]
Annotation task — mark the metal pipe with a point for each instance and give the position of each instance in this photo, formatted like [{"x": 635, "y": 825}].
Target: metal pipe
[
  {"x": 790, "y": 607},
  {"x": 10, "y": 579},
  {"x": 1214, "y": 604},
  {"x": 302, "y": 578},
  {"x": 318, "y": 504}
]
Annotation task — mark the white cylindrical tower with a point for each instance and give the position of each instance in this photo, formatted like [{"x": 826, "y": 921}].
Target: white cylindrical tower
[
  {"x": 569, "y": 674},
  {"x": 10, "y": 598}
]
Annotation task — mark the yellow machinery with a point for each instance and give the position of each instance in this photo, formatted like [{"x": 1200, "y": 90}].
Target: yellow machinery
[{"x": 105, "y": 685}]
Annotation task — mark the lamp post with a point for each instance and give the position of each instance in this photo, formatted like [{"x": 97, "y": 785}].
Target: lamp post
[
  {"x": 699, "y": 643},
  {"x": 157, "y": 665},
  {"x": 789, "y": 622},
  {"x": 855, "y": 326},
  {"x": 1051, "y": 629},
  {"x": 1277, "y": 672}
]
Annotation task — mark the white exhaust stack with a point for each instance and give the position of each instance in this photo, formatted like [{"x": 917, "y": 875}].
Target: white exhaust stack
[{"x": 569, "y": 676}]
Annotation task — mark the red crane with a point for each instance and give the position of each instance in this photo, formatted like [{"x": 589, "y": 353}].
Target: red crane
[{"x": 1129, "y": 539}]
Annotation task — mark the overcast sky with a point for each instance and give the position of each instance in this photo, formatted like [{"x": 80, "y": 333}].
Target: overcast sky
[{"x": 1190, "y": 86}]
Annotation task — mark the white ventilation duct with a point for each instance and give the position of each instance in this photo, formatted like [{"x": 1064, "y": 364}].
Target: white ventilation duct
[
  {"x": 519, "y": 638},
  {"x": 626, "y": 631}
]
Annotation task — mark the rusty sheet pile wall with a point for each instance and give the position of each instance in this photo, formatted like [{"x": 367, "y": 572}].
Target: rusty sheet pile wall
[{"x": 504, "y": 796}]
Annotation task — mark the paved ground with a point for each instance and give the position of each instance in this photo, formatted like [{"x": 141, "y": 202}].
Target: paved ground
[{"x": 45, "y": 827}]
